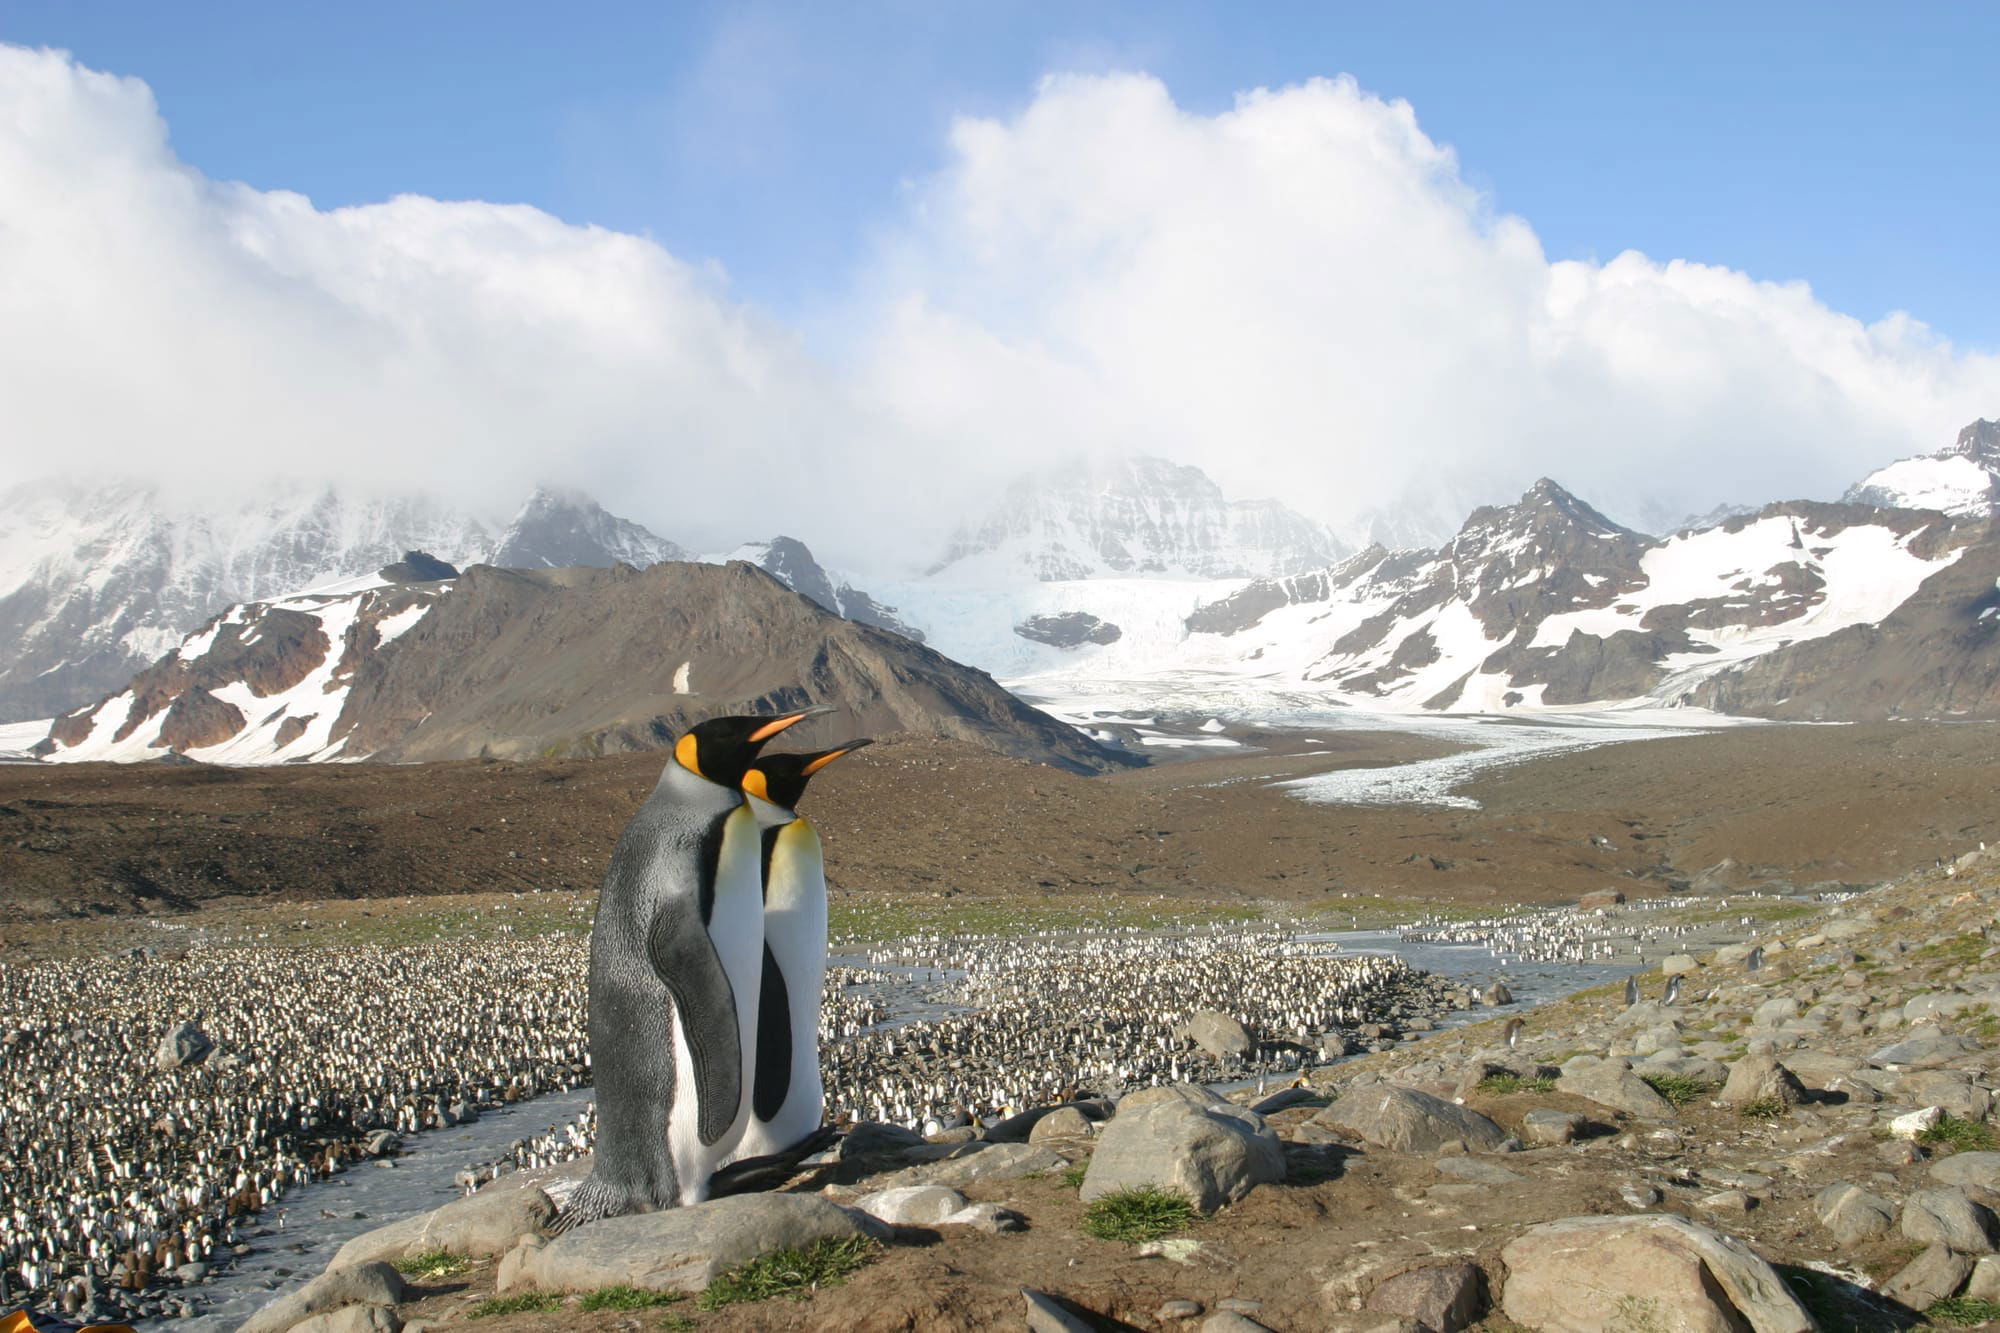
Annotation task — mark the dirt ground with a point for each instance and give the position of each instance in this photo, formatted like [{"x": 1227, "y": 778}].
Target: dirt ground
[{"x": 924, "y": 818}]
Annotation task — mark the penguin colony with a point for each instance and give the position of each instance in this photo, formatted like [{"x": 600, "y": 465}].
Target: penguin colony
[{"x": 116, "y": 1174}]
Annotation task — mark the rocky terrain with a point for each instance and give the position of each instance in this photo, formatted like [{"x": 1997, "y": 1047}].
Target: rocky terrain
[
  {"x": 520, "y": 663},
  {"x": 1788, "y": 1133},
  {"x": 954, "y": 824}
]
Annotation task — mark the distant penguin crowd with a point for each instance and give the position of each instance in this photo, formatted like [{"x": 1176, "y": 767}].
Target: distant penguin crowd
[{"x": 707, "y": 961}]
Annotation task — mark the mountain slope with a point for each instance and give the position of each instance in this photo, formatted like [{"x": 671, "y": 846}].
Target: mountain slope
[
  {"x": 791, "y": 562},
  {"x": 1135, "y": 515},
  {"x": 558, "y": 527},
  {"x": 514, "y": 663},
  {"x": 1963, "y": 481}
]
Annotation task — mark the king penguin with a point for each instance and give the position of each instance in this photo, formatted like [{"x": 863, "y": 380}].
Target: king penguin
[
  {"x": 787, "y": 1098},
  {"x": 675, "y": 957}
]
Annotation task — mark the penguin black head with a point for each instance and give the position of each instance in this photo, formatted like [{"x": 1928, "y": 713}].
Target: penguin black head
[
  {"x": 722, "y": 748},
  {"x": 781, "y": 778}
]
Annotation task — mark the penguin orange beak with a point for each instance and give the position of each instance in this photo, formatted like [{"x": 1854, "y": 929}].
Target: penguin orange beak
[
  {"x": 778, "y": 724},
  {"x": 831, "y": 755}
]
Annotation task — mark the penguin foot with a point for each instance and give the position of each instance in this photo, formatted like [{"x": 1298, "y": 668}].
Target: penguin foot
[
  {"x": 749, "y": 1175},
  {"x": 593, "y": 1201}
]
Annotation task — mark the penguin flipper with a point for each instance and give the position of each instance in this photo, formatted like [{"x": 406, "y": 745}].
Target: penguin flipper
[{"x": 678, "y": 946}]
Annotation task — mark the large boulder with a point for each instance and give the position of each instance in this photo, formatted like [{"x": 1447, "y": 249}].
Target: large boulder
[
  {"x": 1612, "y": 1083},
  {"x": 478, "y": 1226},
  {"x": 1852, "y": 1214},
  {"x": 361, "y": 1284},
  {"x": 1980, "y": 1170},
  {"x": 1603, "y": 1274},
  {"x": 1410, "y": 1121},
  {"x": 1212, "y": 1154},
  {"x": 684, "y": 1249},
  {"x": 184, "y": 1044},
  {"x": 1758, "y": 1077},
  {"x": 1191, "y": 1093},
  {"x": 1944, "y": 1216},
  {"x": 1217, "y": 1034}
]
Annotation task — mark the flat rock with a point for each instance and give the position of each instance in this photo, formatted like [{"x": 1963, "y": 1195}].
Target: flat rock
[
  {"x": 1409, "y": 1121},
  {"x": 1192, "y": 1093},
  {"x": 993, "y": 1161},
  {"x": 1980, "y": 1170},
  {"x": 1548, "y": 1126},
  {"x": 1926, "y": 1048},
  {"x": 912, "y": 1205},
  {"x": 1477, "y": 1169},
  {"x": 353, "y": 1319},
  {"x": 1212, "y": 1154},
  {"x": 478, "y": 1226},
  {"x": 1046, "y": 1316},
  {"x": 684, "y": 1249},
  {"x": 1603, "y": 1274},
  {"x": 359, "y": 1284}
]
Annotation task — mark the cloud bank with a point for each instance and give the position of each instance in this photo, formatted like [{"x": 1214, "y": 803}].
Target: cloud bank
[{"x": 1301, "y": 295}]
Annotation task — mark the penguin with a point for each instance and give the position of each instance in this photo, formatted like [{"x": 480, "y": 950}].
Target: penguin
[
  {"x": 1755, "y": 961},
  {"x": 1631, "y": 991},
  {"x": 787, "y": 1099},
  {"x": 1673, "y": 995},
  {"x": 675, "y": 952},
  {"x": 1512, "y": 1032}
]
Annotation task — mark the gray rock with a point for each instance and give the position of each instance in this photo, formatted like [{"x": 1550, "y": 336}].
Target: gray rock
[
  {"x": 1217, "y": 1034},
  {"x": 1065, "y": 1122},
  {"x": 1410, "y": 1121},
  {"x": 1777, "y": 1010},
  {"x": 1496, "y": 994},
  {"x": 1212, "y": 1154},
  {"x": 1177, "y": 1310},
  {"x": 984, "y": 1161},
  {"x": 1944, "y": 1216},
  {"x": 1929, "y": 1278},
  {"x": 1980, "y": 1170},
  {"x": 353, "y": 1319},
  {"x": 1926, "y": 1048},
  {"x": 1951, "y": 1089},
  {"x": 1477, "y": 1169},
  {"x": 184, "y": 1044},
  {"x": 1679, "y": 965},
  {"x": 1229, "y": 1321},
  {"x": 1597, "y": 1274},
  {"x": 1549, "y": 1126},
  {"x": 1191, "y": 1093},
  {"x": 872, "y": 1139},
  {"x": 1442, "y": 1297},
  {"x": 1984, "y": 1284},
  {"x": 1020, "y": 1128},
  {"x": 478, "y": 1226},
  {"x": 1280, "y": 1099},
  {"x": 684, "y": 1249},
  {"x": 912, "y": 1205},
  {"x": 1610, "y": 1083},
  {"x": 1045, "y": 1316},
  {"x": 1639, "y": 1196},
  {"x": 1759, "y": 1076},
  {"x": 1818, "y": 1069},
  {"x": 361, "y": 1284},
  {"x": 1852, "y": 1214}
]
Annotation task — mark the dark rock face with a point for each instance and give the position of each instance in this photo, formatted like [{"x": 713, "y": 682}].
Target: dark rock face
[
  {"x": 196, "y": 718},
  {"x": 581, "y": 661},
  {"x": 1071, "y": 629},
  {"x": 791, "y": 562},
  {"x": 418, "y": 567}
]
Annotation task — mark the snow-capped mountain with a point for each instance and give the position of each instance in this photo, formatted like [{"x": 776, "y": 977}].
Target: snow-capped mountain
[
  {"x": 791, "y": 562},
  {"x": 1133, "y": 516},
  {"x": 96, "y": 582},
  {"x": 1963, "y": 481},
  {"x": 559, "y": 527},
  {"x": 1543, "y": 603},
  {"x": 515, "y": 663}
]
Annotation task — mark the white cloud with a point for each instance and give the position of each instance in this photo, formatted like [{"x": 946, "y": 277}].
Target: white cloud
[
  {"x": 1303, "y": 294},
  {"x": 1300, "y": 294}
]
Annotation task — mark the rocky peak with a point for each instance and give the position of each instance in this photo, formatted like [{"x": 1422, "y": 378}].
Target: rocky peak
[
  {"x": 559, "y": 528},
  {"x": 791, "y": 562},
  {"x": 1980, "y": 442}
]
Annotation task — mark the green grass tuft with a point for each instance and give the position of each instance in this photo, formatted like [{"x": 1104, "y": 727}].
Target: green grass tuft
[
  {"x": 1073, "y": 1175},
  {"x": 431, "y": 1264},
  {"x": 1961, "y": 1135},
  {"x": 528, "y": 1302},
  {"x": 625, "y": 1296},
  {"x": 1963, "y": 1310},
  {"x": 1147, "y": 1213},
  {"x": 793, "y": 1273},
  {"x": 1678, "y": 1089},
  {"x": 1502, "y": 1085},
  {"x": 1762, "y": 1108}
]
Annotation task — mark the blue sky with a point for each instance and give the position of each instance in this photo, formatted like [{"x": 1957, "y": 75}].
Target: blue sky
[{"x": 1852, "y": 146}]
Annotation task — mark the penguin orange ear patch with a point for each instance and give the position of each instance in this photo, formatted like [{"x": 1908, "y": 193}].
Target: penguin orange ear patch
[
  {"x": 687, "y": 750},
  {"x": 755, "y": 784}
]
